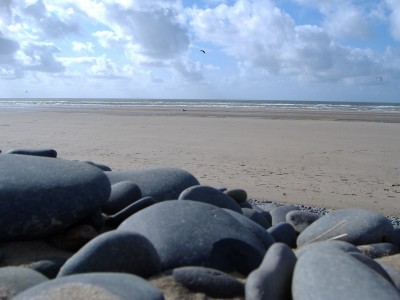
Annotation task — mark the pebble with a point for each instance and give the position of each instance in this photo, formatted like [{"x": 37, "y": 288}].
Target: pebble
[
  {"x": 327, "y": 272},
  {"x": 210, "y": 282},
  {"x": 239, "y": 195},
  {"x": 257, "y": 216},
  {"x": 272, "y": 279},
  {"x": 278, "y": 214},
  {"x": 192, "y": 233},
  {"x": 34, "y": 152},
  {"x": 115, "y": 251},
  {"x": 159, "y": 183},
  {"x": 357, "y": 226},
  {"x": 93, "y": 286},
  {"x": 301, "y": 219},
  {"x": 210, "y": 195},
  {"x": 284, "y": 233},
  {"x": 123, "y": 193},
  {"x": 46, "y": 195}
]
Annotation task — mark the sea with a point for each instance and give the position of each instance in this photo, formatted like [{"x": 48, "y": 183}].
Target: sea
[{"x": 271, "y": 105}]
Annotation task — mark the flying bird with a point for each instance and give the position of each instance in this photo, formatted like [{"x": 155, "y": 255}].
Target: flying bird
[
  {"x": 203, "y": 51},
  {"x": 379, "y": 77}
]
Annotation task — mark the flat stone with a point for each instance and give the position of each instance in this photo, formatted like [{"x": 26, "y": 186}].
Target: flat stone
[
  {"x": 301, "y": 219},
  {"x": 239, "y": 195},
  {"x": 14, "y": 280},
  {"x": 159, "y": 183},
  {"x": 192, "y": 233},
  {"x": 378, "y": 250},
  {"x": 40, "y": 196},
  {"x": 257, "y": 216},
  {"x": 210, "y": 195},
  {"x": 356, "y": 226},
  {"x": 325, "y": 273},
  {"x": 35, "y": 152},
  {"x": 284, "y": 233},
  {"x": 123, "y": 193},
  {"x": 115, "y": 251},
  {"x": 94, "y": 286},
  {"x": 279, "y": 213},
  {"x": 116, "y": 219},
  {"x": 272, "y": 279},
  {"x": 210, "y": 282}
]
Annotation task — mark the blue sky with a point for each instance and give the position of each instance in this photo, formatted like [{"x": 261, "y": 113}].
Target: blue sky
[{"x": 255, "y": 49}]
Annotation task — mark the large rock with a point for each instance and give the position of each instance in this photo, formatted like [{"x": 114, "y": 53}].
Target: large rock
[
  {"x": 210, "y": 195},
  {"x": 115, "y": 251},
  {"x": 356, "y": 226},
  {"x": 328, "y": 273},
  {"x": 159, "y": 183},
  {"x": 14, "y": 280},
  {"x": 94, "y": 286},
  {"x": 123, "y": 194},
  {"x": 40, "y": 196},
  {"x": 191, "y": 233},
  {"x": 272, "y": 279}
]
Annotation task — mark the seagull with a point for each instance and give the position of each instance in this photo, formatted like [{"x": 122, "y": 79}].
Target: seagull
[
  {"x": 203, "y": 51},
  {"x": 380, "y": 77}
]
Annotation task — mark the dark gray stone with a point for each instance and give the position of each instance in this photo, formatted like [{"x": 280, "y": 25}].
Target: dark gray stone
[
  {"x": 393, "y": 273},
  {"x": 340, "y": 245},
  {"x": 325, "y": 273},
  {"x": 100, "y": 166},
  {"x": 14, "y": 280},
  {"x": 35, "y": 152},
  {"x": 284, "y": 233},
  {"x": 265, "y": 213},
  {"x": 118, "y": 218},
  {"x": 123, "y": 194},
  {"x": 301, "y": 219},
  {"x": 256, "y": 216},
  {"x": 272, "y": 279},
  {"x": 40, "y": 196},
  {"x": 278, "y": 214},
  {"x": 372, "y": 264},
  {"x": 208, "y": 281},
  {"x": 115, "y": 251},
  {"x": 191, "y": 233},
  {"x": 159, "y": 183},
  {"x": 238, "y": 195},
  {"x": 356, "y": 226},
  {"x": 94, "y": 286},
  {"x": 210, "y": 195},
  {"x": 73, "y": 238},
  {"x": 48, "y": 267},
  {"x": 378, "y": 250},
  {"x": 255, "y": 228}
]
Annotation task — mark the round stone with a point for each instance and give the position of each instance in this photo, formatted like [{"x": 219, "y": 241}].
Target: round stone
[{"x": 40, "y": 196}]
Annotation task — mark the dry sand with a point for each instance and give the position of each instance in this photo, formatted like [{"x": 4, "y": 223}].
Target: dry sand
[{"x": 321, "y": 159}]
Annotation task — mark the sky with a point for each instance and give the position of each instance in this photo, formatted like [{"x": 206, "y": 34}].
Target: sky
[{"x": 342, "y": 50}]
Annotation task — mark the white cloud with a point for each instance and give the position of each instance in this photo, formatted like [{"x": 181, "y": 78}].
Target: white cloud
[
  {"x": 79, "y": 47},
  {"x": 394, "y": 7},
  {"x": 40, "y": 57},
  {"x": 262, "y": 36}
]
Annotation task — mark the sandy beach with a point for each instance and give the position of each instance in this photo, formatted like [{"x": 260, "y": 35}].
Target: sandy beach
[{"x": 334, "y": 160}]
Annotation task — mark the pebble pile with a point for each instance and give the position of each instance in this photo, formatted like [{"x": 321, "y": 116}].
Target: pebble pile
[{"x": 159, "y": 234}]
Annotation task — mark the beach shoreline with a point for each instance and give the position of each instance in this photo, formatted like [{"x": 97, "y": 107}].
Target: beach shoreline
[{"x": 326, "y": 159}]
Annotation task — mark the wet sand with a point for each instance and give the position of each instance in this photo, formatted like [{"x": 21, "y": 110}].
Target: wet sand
[{"x": 334, "y": 160}]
